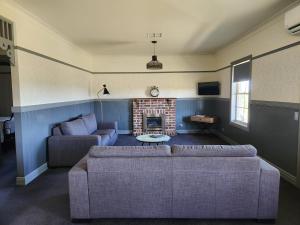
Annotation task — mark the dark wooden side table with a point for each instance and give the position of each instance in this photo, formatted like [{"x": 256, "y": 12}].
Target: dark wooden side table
[{"x": 207, "y": 121}]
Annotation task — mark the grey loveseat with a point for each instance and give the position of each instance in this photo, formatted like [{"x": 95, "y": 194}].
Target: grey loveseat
[
  {"x": 189, "y": 182},
  {"x": 72, "y": 140}
]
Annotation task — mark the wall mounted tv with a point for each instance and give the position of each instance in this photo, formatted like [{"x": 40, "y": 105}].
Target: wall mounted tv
[{"x": 209, "y": 88}]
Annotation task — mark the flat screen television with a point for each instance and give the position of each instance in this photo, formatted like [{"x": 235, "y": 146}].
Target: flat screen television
[{"x": 209, "y": 88}]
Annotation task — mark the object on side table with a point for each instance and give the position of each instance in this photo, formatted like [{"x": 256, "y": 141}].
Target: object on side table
[
  {"x": 204, "y": 119},
  {"x": 156, "y": 135},
  {"x": 153, "y": 138}
]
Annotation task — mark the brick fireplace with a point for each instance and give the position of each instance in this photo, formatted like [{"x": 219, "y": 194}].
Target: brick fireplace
[{"x": 154, "y": 115}]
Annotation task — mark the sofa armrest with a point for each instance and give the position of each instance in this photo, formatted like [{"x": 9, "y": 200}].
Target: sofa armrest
[
  {"x": 78, "y": 190},
  {"x": 66, "y": 150},
  {"x": 268, "y": 191},
  {"x": 109, "y": 125}
]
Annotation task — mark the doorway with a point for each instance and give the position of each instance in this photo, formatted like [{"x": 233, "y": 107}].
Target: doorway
[{"x": 7, "y": 125}]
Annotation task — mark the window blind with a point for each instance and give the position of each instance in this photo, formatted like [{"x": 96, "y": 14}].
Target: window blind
[{"x": 242, "y": 72}]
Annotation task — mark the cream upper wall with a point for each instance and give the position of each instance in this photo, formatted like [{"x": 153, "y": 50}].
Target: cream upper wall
[
  {"x": 36, "y": 80},
  {"x": 224, "y": 78},
  {"x": 39, "y": 81},
  {"x": 268, "y": 37},
  {"x": 43, "y": 81},
  {"x": 275, "y": 77},
  {"x": 138, "y": 85},
  {"x": 129, "y": 63},
  {"x": 178, "y": 85}
]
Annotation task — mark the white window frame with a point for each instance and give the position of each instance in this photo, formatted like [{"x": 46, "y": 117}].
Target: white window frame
[{"x": 236, "y": 123}]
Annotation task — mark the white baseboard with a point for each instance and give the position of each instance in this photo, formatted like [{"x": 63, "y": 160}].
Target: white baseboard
[
  {"x": 23, "y": 181},
  {"x": 283, "y": 173}
]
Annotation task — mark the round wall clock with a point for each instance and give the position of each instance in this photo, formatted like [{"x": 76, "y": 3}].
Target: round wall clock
[{"x": 154, "y": 92}]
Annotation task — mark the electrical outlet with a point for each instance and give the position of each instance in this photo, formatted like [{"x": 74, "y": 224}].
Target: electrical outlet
[{"x": 296, "y": 116}]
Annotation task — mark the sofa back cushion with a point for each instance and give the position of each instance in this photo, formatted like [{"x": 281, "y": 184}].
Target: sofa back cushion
[
  {"x": 129, "y": 151},
  {"x": 90, "y": 122},
  {"x": 214, "y": 151},
  {"x": 75, "y": 127},
  {"x": 117, "y": 183},
  {"x": 216, "y": 187},
  {"x": 223, "y": 181}
]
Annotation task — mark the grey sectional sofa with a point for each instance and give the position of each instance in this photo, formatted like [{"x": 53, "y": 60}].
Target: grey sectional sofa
[
  {"x": 72, "y": 140},
  {"x": 187, "y": 182}
]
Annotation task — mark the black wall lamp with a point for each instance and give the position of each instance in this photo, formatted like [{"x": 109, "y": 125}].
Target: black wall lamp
[{"x": 102, "y": 91}]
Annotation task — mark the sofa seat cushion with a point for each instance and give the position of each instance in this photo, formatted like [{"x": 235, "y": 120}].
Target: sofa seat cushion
[
  {"x": 90, "y": 122},
  {"x": 214, "y": 150},
  {"x": 105, "y": 140},
  {"x": 130, "y": 151},
  {"x": 109, "y": 132},
  {"x": 75, "y": 127}
]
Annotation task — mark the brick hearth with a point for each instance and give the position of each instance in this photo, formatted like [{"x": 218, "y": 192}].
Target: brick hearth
[{"x": 166, "y": 106}]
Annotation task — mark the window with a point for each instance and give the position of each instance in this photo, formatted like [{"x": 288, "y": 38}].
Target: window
[{"x": 240, "y": 93}]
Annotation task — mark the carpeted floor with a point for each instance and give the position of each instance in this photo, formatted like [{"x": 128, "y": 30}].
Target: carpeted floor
[{"x": 45, "y": 200}]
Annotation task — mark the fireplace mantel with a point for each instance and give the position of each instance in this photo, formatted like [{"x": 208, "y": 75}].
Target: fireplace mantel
[
  {"x": 152, "y": 98},
  {"x": 137, "y": 100},
  {"x": 158, "y": 106}
]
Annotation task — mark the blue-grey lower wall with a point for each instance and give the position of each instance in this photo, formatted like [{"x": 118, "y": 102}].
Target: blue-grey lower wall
[
  {"x": 121, "y": 110},
  {"x": 34, "y": 127},
  {"x": 188, "y": 107},
  {"x": 116, "y": 110},
  {"x": 34, "y": 123},
  {"x": 273, "y": 131}
]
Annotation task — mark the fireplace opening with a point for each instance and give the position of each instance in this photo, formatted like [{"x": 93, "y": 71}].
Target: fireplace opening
[{"x": 153, "y": 123}]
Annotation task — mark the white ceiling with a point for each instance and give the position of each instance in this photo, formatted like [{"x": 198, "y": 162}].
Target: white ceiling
[{"x": 120, "y": 26}]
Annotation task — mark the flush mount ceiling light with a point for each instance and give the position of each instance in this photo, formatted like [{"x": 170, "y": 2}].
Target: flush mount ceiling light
[{"x": 154, "y": 64}]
